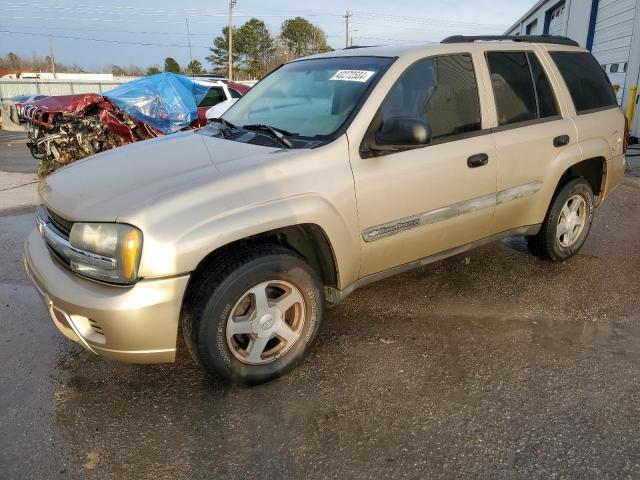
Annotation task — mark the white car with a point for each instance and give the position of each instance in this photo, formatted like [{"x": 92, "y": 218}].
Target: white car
[{"x": 221, "y": 95}]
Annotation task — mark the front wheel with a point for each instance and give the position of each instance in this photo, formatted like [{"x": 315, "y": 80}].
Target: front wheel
[
  {"x": 256, "y": 317},
  {"x": 567, "y": 224}
]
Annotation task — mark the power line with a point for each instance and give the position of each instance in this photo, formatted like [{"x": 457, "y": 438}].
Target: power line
[
  {"x": 398, "y": 40},
  {"x": 125, "y": 10},
  {"x": 134, "y": 32},
  {"x": 119, "y": 20},
  {"x": 403, "y": 19},
  {"x": 417, "y": 28},
  {"x": 112, "y": 9},
  {"x": 104, "y": 40},
  {"x": 128, "y": 12}
]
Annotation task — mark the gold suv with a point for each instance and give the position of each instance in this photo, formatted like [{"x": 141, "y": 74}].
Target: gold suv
[{"x": 334, "y": 171}]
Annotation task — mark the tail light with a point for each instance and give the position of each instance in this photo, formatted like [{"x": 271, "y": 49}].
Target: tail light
[{"x": 625, "y": 137}]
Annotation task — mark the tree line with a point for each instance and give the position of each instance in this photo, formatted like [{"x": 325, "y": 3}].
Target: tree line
[{"x": 256, "y": 52}]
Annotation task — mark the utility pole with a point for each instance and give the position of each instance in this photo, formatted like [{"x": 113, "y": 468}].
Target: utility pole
[
  {"x": 51, "y": 58},
  {"x": 232, "y": 3},
  {"x": 346, "y": 17},
  {"x": 186, "y": 21}
]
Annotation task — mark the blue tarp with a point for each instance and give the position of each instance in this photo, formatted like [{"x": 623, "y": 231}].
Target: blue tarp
[{"x": 166, "y": 101}]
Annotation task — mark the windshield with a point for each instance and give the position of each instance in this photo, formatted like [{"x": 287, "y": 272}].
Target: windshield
[{"x": 309, "y": 98}]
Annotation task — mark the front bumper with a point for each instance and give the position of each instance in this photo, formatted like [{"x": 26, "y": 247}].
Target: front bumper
[{"x": 137, "y": 324}]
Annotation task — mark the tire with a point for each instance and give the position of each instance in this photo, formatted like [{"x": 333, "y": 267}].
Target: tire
[
  {"x": 551, "y": 243},
  {"x": 225, "y": 290}
]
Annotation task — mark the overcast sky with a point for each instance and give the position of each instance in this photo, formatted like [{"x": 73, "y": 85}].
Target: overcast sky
[{"x": 162, "y": 23}]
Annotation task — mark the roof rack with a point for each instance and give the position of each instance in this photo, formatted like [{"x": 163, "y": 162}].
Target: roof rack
[
  {"x": 555, "y": 39},
  {"x": 353, "y": 47}
]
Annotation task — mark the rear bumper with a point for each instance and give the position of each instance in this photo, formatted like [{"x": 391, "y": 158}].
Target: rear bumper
[{"x": 137, "y": 324}]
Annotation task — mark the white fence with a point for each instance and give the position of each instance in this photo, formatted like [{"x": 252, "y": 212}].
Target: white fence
[
  {"x": 12, "y": 87},
  {"x": 29, "y": 86}
]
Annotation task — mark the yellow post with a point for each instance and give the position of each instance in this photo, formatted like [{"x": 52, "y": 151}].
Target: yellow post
[{"x": 631, "y": 104}]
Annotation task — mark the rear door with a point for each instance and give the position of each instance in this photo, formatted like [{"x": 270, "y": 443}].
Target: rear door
[{"x": 531, "y": 132}]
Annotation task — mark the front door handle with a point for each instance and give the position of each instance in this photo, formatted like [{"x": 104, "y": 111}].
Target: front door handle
[
  {"x": 561, "y": 141},
  {"x": 479, "y": 160}
]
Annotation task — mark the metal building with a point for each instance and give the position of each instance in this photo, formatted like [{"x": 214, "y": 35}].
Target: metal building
[{"x": 609, "y": 28}]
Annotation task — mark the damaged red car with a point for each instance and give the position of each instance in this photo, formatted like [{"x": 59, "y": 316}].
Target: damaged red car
[{"x": 63, "y": 129}]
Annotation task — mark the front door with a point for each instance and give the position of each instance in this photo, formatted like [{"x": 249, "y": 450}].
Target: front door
[{"x": 413, "y": 203}]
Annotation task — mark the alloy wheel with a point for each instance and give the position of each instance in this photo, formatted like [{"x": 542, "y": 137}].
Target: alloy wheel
[
  {"x": 572, "y": 220},
  {"x": 266, "y": 322}
]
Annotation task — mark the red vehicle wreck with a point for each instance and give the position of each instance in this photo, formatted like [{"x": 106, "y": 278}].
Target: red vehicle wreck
[
  {"x": 70, "y": 127},
  {"x": 63, "y": 129}
]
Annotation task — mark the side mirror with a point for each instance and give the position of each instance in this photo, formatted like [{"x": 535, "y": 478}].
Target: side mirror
[
  {"x": 403, "y": 132},
  {"x": 217, "y": 110}
]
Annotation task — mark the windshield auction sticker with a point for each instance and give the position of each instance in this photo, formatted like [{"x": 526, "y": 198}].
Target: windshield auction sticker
[{"x": 353, "y": 75}]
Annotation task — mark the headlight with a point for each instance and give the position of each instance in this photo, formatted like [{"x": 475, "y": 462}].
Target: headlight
[{"x": 106, "y": 251}]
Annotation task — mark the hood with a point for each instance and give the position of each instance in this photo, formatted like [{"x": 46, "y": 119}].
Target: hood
[
  {"x": 120, "y": 181},
  {"x": 73, "y": 104}
]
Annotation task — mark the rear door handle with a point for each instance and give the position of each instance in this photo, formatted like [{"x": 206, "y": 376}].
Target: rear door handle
[
  {"x": 561, "y": 141},
  {"x": 479, "y": 160}
]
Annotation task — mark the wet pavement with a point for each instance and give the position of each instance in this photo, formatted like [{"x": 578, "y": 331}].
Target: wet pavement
[
  {"x": 492, "y": 365},
  {"x": 13, "y": 156}
]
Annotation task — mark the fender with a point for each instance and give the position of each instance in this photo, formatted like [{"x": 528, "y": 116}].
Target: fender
[
  {"x": 613, "y": 164},
  {"x": 594, "y": 148},
  {"x": 195, "y": 244}
]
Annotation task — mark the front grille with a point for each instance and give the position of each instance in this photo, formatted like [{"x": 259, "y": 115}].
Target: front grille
[
  {"x": 61, "y": 223},
  {"x": 57, "y": 225}
]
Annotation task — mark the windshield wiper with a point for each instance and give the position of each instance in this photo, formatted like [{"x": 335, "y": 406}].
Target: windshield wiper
[
  {"x": 279, "y": 133},
  {"x": 230, "y": 126}
]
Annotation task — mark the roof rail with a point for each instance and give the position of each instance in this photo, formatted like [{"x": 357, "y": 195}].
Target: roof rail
[
  {"x": 555, "y": 39},
  {"x": 353, "y": 47}
]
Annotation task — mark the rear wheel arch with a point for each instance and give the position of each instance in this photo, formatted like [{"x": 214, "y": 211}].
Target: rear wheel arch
[{"x": 593, "y": 170}]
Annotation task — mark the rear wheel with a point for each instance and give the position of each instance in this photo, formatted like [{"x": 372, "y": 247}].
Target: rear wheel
[
  {"x": 567, "y": 225},
  {"x": 255, "y": 317}
]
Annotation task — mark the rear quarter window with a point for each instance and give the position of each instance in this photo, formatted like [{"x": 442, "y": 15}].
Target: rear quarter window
[
  {"x": 588, "y": 84},
  {"x": 214, "y": 96}
]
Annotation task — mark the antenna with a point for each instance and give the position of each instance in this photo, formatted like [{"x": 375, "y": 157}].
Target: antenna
[
  {"x": 186, "y": 21},
  {"x": 193, "y": 83}
]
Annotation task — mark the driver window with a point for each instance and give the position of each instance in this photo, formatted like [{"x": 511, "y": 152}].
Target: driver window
[{"x": 442, "y": 91}]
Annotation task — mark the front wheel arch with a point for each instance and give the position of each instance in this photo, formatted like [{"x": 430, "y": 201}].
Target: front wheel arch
[{"x": 308, "y": 240}]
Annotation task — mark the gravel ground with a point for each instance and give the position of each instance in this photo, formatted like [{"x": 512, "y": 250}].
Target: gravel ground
[{"x": 489, "y": 365}]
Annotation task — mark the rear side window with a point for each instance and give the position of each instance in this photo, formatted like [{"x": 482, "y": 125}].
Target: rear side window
[
  {"x": 441, "y": 90},
  {"x": 521, "y": 88},
  {"x": 214, "y": 96},
  {"x": 588, "y": 84}
]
